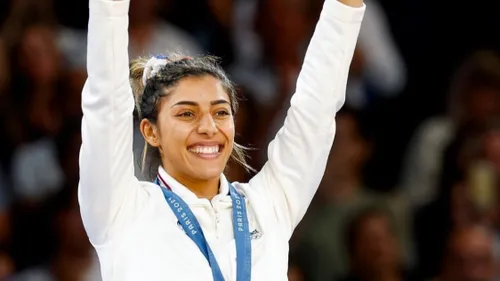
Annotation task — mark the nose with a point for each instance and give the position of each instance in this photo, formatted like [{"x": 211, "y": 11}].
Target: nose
[{"x": 207, "y": 126}]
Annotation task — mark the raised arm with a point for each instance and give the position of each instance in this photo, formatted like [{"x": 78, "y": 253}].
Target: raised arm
[
  {"x": 298, "y": 154},
  {"x": 108, "y": 191}
]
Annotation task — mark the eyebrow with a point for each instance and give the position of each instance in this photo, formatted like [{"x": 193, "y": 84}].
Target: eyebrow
[{"x": 192, "y": 103}]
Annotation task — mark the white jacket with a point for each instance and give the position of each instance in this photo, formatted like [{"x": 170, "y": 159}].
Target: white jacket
[{"x": 129, "y": 222}]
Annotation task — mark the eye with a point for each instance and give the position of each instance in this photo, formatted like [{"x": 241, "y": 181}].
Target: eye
[
  {"x": 222, "y": 113},
  {"x": 185, "y": 114}
]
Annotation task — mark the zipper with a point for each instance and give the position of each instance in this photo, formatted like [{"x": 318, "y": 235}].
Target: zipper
[{"x": 216, "y": 222}]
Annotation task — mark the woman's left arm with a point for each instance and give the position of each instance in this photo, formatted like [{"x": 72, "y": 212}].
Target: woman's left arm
[{"x": 299, "y": 152}]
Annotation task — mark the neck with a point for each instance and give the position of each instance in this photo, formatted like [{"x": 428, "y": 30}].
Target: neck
[{"x": 201, "y": 188}]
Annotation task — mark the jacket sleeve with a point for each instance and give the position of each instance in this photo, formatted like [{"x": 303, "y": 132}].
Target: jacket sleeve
[
  {"x": 297, "y": 156},
  {"x": 109, "y": 194}
]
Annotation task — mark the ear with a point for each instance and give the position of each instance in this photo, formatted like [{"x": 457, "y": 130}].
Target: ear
[{"x": 150, "y": 133}]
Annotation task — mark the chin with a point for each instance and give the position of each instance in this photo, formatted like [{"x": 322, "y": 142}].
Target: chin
[
  {"x": 207, "y": 172},
  {"x": 207, "y": 166}
]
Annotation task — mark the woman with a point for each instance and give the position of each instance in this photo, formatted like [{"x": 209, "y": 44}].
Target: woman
[{"x": 191, "y": 224}]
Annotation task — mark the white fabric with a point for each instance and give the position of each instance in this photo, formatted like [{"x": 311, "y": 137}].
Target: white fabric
[
  {"x": 129, "y": 223},
  {"x": 152, "y": 67}
]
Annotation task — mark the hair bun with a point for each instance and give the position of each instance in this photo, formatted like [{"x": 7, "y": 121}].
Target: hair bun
[{"x": 152, "y": 67}]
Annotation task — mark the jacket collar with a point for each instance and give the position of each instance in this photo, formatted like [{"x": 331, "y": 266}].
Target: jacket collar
[{"x": 184, "y": 192}]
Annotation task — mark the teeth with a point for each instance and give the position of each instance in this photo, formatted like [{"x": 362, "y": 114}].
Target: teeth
[{"x": 205, "y": 149}]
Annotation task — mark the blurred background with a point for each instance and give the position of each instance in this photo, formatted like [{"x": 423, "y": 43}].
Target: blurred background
[{"x": 411, "y": 187}]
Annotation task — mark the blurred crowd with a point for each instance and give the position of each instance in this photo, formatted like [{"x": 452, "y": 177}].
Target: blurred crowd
[{"x": 411, "y": 190}]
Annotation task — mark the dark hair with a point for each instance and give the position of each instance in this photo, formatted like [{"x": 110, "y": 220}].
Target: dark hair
[
  {"x": 148, "y": 98},
  {"x": 480, "y": 70}
]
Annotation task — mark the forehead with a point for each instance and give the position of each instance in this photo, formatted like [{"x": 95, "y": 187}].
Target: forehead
[{"x": 202, "y": 89}]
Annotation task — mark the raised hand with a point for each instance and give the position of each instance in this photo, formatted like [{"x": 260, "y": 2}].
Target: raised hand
[{"x": 352, "y": 3}]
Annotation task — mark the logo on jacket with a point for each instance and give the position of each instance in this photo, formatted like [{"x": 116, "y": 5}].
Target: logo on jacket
[{"x": 255, "y": 234}]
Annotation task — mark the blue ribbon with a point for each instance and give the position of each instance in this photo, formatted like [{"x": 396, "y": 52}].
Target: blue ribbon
[{"x": 193, "y": 229}]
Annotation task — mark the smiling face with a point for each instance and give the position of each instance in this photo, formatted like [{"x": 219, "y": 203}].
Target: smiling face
[{"x": 194, "y": 131}]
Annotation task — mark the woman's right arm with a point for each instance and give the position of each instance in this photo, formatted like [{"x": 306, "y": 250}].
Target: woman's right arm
[{"x": 109, "y": 193}]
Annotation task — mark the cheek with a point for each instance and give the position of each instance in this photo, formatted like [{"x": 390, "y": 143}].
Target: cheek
[
  {"x": 227, "y": 128},
  {"x": 174, "y": 134}
]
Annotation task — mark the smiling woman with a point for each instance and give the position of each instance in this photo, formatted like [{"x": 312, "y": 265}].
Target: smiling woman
[
  {"x": 191, "y": 223},
  {"x": 187, "y": 106}
]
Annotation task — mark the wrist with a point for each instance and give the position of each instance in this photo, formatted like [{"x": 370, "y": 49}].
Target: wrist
[{"x": 352, "y": 3}]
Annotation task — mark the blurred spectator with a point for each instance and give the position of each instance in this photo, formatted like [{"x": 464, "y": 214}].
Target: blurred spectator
[
  {"x": 5, "y": 188},
  {"x": 474, "y": 100},
  {"x": 250, "y": 68},
  {"x": 150, "y": 35},
  {"x": 284, "y": 36},
  {"x": 469, "y": 256},
  {"x": 25, "y": 12},
  {"x": 468, "y": 194},
  {"x": 74, "y": 79},
  {"x": 22, "y": 14},
  {"x": 4, "y": 73},
  {"x": 6, "y": 266},
  {"x": 73, "y": 258},
  {"x": 35, "y": 170},
  {"x": 341, "y": 196},
  {"x": 245, "y": 122},
  {"x": 5, "y": 220},
  {"x": 68, "y": 144},
  {"x": 209, "y": 21},
  {"x": 373, "y": 249},
  {"x": 377, "y": 69},
  {"x": 269, "y": 49}
]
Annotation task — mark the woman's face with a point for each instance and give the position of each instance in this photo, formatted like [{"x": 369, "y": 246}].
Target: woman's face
[{"x": 194, "y": 130}]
